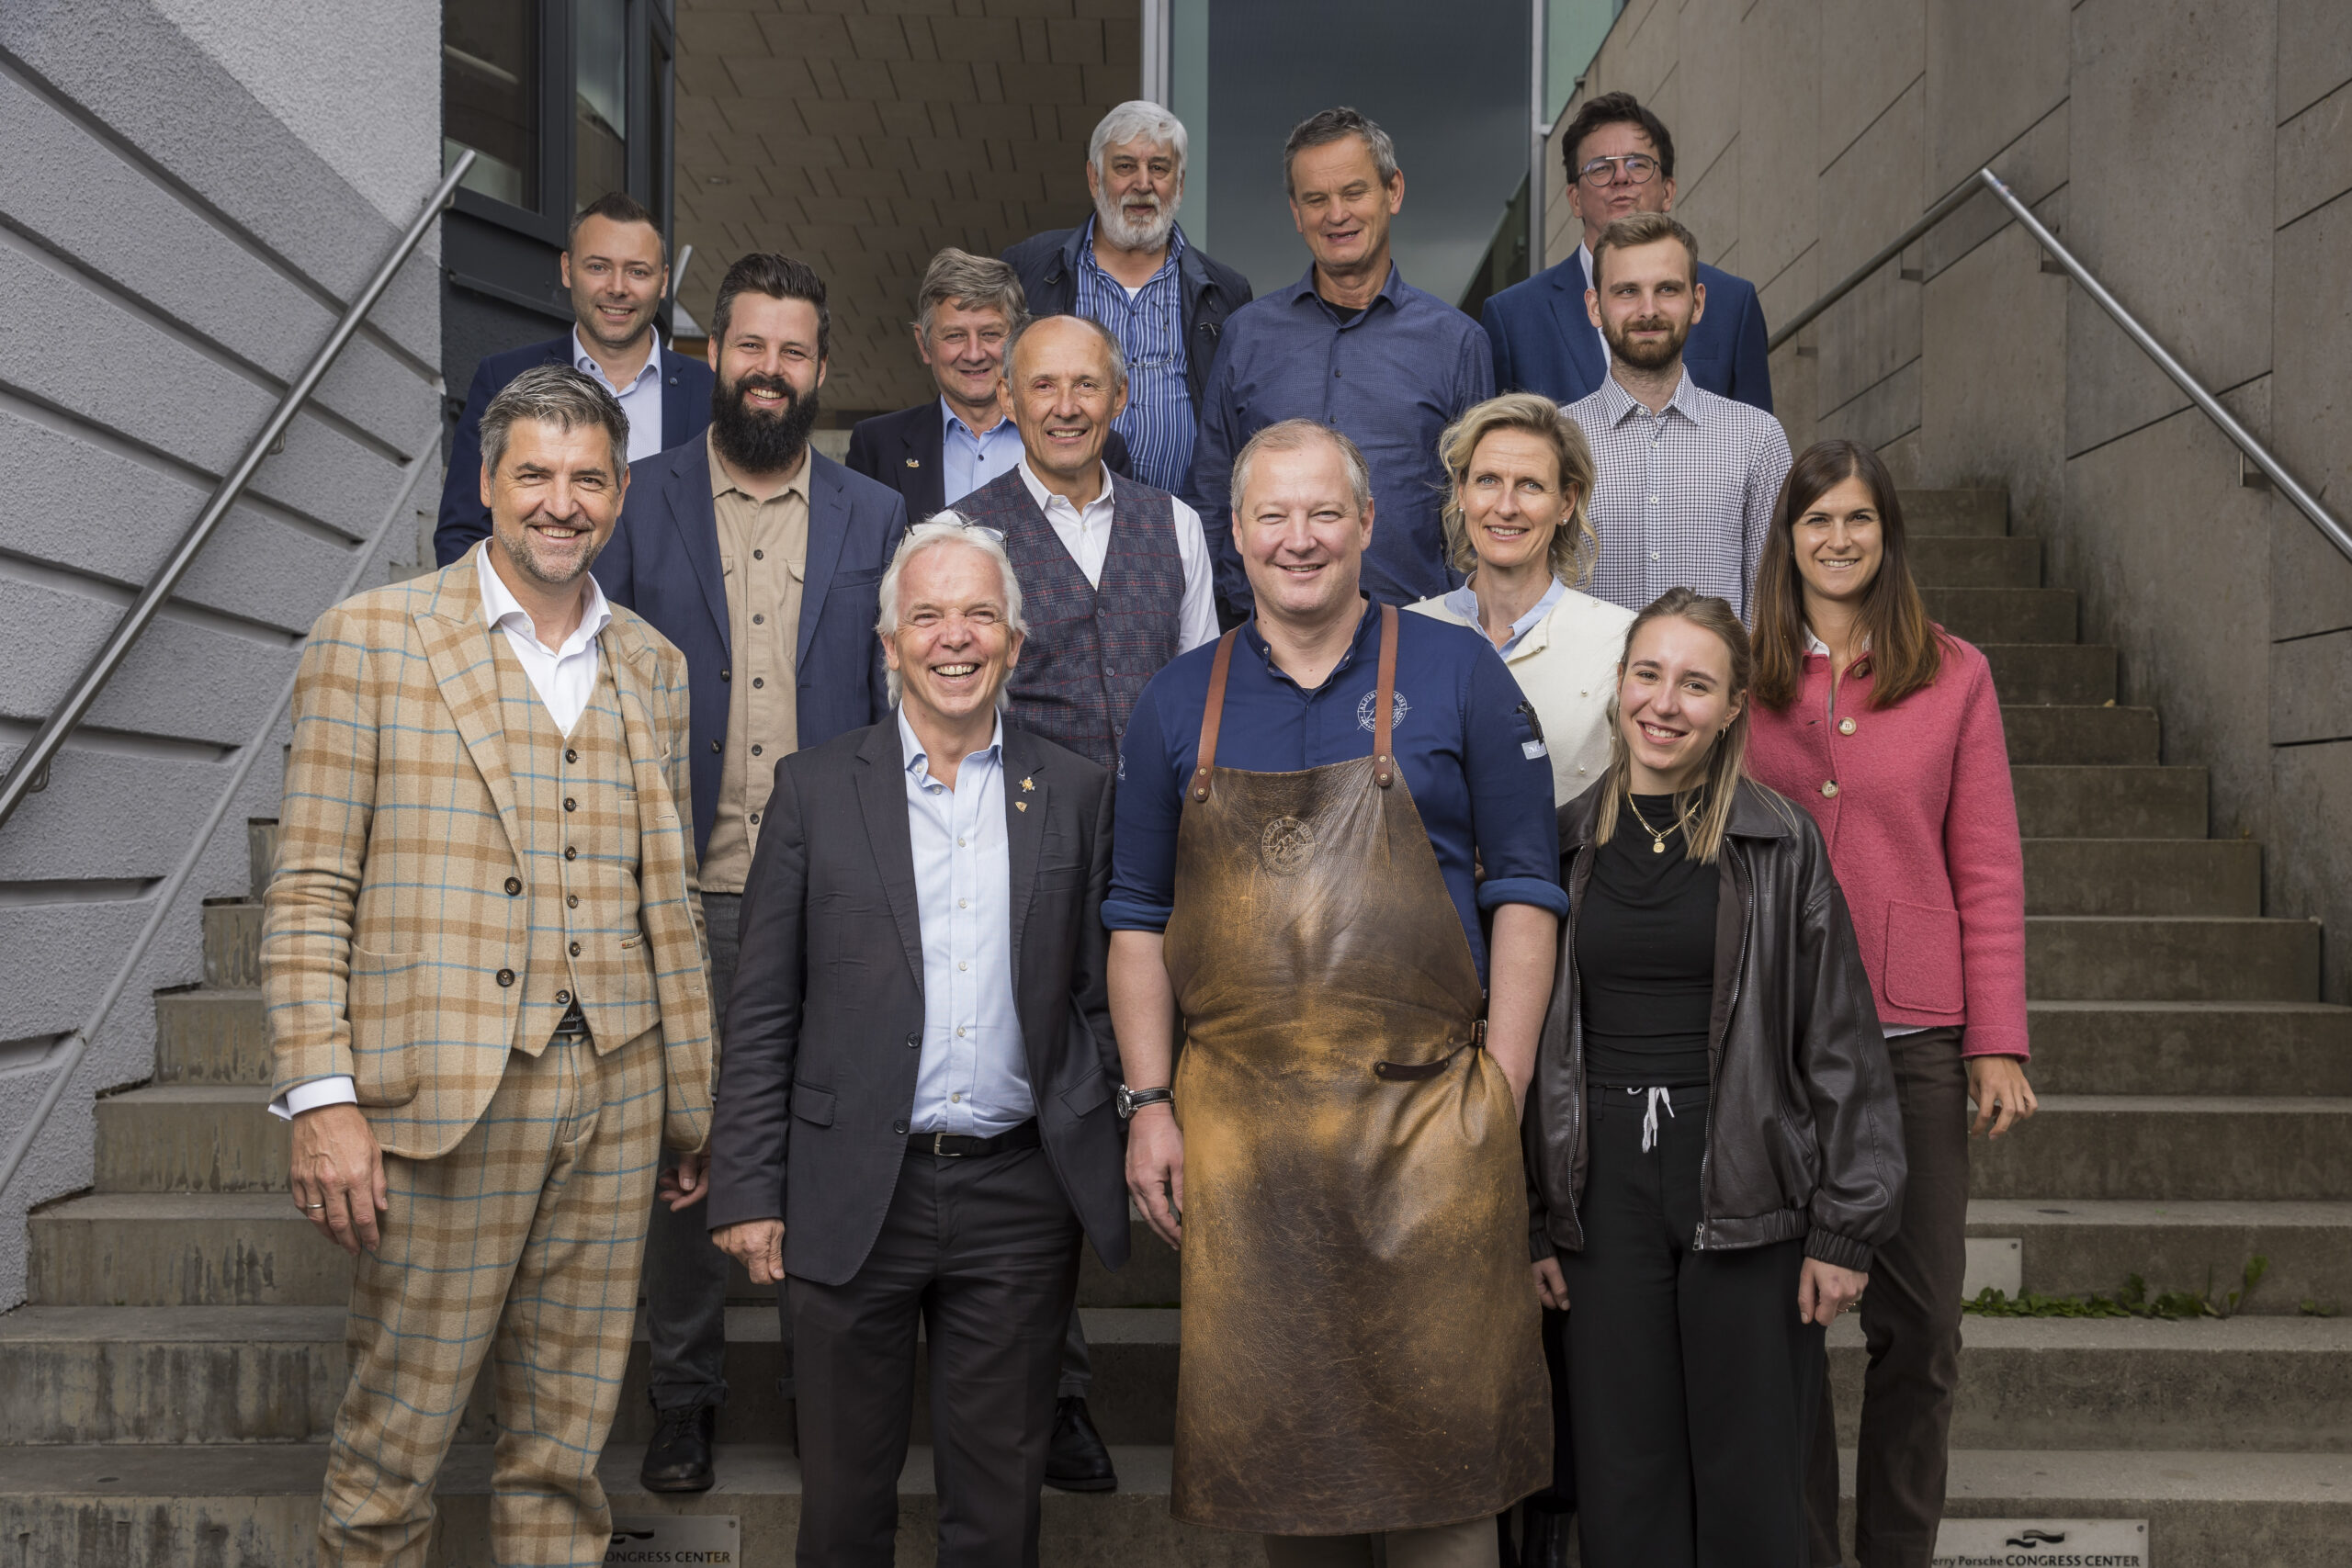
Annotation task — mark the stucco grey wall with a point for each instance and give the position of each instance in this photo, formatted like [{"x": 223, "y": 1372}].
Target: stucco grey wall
[
  {"x": 2199, "y": 159},
  {"x": 181, "y": 220}
]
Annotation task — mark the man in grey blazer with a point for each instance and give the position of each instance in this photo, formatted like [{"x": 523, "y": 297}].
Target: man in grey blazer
[{"x": 916, "y": 1117}]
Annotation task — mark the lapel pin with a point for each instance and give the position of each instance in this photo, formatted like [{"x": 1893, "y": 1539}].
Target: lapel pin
[
  {"x": 914, "y": 462},
  {"x": 1021, "y": 806},
  {"x": 1027, "y": 784}
]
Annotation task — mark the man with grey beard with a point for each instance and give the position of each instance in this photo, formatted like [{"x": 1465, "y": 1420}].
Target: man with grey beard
[{"x": 1130, "y": 268}]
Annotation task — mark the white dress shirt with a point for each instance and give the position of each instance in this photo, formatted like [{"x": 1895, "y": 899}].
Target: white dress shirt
[
  {"x": 564, "y": 678},
  {"x": 1086, "y": 536},
  {"x": 641, "y": 400},
  {"x": 974, "y": 1076}
]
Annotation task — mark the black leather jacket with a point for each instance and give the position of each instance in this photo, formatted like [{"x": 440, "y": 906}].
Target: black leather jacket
[{"x": 1802, "y": 1133}]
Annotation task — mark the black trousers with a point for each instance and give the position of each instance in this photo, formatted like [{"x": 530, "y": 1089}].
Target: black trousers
[
  {"x": 1911, "y": 1317},
  {"x": 984, "y": 1253},
  {"x": 1691, "y": 1383}
]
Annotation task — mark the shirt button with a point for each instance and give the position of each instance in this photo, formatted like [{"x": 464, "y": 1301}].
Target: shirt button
[
  {"x": 755, "y": 819},
  {"x": 513, "y": 887},
  {"x": 1845, "y": 726},
  {"x": 959, "y": 844},
  {"x": 575, "y": 949},
  {"x": 1829, "y": 788},
  {"x": 955, "y": 1098},
  {"x": 1653, "y": 555},
  {"x": 963, "y": 904},
  {"x": 961, "y": 963},
  {"x": 507, "y": 976},
  {"x": 572, "y": 900},
  {"x": 570, "y": 852},
  {"x": 759, "y": 555},
  {"x": 759, "y": 620},
  {"x": 959, "y": 1032},
  {"x": 756, "y": 748}
]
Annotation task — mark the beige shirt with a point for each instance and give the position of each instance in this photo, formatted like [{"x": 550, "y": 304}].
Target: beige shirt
[{"x": 764, "y": 551}]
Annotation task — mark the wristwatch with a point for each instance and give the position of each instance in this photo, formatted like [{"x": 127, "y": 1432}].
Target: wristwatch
[{"x": 1134, "y": 1100}]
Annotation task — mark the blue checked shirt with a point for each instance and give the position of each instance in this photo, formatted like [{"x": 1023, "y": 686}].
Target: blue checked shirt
[{"x": 1150, "y": 324}]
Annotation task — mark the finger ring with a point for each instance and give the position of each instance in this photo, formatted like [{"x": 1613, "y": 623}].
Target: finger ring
[{"x": 310, "y": 1206}]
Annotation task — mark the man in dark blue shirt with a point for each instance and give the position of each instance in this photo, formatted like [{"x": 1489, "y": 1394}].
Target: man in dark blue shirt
[
  {"x": 1303, "y": 813},
  {"x": 1352, "y": 346}
]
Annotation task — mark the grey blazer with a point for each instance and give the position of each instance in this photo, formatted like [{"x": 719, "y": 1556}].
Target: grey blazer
[{"x": 817, "y": 1076}]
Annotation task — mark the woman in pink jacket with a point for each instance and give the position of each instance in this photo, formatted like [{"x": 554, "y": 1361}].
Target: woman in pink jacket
[{"x": 1886, "y": 727}]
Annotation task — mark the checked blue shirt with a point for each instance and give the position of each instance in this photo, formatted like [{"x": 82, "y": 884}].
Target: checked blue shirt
[{"x": 1150, "y": 324}]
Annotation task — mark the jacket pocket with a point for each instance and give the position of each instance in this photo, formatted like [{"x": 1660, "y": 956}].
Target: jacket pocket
[
  {"x": 1084, "y": 1096},
  {"x": 813, "y": 1105},
  {"x": 1923, "y": 965},
  {"x": 383, "y": 1009}
]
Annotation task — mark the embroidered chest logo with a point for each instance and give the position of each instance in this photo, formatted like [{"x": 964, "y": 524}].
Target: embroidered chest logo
[
  {"x": 1286, "y": 846},
  {"x": 1397, "y": 711}
]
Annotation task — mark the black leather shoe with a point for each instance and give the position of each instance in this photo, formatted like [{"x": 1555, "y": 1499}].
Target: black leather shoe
[
  {"x": 1546, "y": 1542},
  {"x": 1076, "y": 1460},
  {"x": 678, "y": 1459}
]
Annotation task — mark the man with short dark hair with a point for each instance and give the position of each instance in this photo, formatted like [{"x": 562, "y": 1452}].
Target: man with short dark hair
[
  {"x": 617, "y": 270},
  {"x": 938, "y": 452},
  {"x": 758, "y": 556},
  {"x": 1683, "y": 481},
  {"x": 1620, "y": 161},
  {"x": 1352, "y": 346},
  {"x": 1130, "y": 267}
]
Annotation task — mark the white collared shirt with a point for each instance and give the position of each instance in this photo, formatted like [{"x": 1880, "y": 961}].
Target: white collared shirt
[
  {"x": 1086, "y": 536},
  {"x": 565, "y": 677},
  {"x": 641, "y": 400}
]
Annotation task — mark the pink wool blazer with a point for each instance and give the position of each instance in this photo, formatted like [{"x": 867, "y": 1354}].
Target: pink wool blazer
[{"x": 1916, "y": 803}]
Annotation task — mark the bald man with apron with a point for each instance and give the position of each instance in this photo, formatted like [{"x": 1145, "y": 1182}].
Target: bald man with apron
[{"x": 1304, "y": 816}]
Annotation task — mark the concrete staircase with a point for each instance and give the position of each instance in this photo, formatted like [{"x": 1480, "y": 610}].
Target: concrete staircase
[{"x": 164, "y": 1395}]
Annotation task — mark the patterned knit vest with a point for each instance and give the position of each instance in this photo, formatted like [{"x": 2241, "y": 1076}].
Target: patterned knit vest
[
  {"x": 575, "y": 801},
  {"x": 1090, "y": 648}
]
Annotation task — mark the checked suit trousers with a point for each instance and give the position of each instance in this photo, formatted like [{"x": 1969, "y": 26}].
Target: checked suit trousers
[{"x": 520, "y": 1245}]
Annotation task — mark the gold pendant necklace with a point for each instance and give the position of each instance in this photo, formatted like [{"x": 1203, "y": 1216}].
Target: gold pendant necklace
[{"x": 1658, "y": 840}]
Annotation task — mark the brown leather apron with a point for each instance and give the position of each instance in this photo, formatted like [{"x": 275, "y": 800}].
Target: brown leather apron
[{"x": 1360, "y": 1342}]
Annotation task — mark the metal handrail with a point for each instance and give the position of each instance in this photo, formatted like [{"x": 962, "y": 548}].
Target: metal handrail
[
  {"x": 2306, "y": 501},
  {"x": 31, "y": 769}
]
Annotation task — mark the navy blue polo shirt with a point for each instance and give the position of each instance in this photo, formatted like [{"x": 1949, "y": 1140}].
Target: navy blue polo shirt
[{"x": 1467, "y": 740}]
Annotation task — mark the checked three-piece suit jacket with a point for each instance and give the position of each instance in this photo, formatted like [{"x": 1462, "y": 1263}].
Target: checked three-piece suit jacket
[{"x": 395, "y": 908}]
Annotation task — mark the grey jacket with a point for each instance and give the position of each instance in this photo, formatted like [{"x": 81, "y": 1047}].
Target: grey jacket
[
  {"x": 1803, "y": 1138},
  {"x": 817, "y": 1079}
]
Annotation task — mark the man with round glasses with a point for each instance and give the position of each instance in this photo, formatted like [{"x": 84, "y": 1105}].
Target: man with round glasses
[{"x": 1619, "y": 160}]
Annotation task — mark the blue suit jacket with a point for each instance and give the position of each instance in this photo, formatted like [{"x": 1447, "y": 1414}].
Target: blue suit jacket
[
  {"x": 662, "y": 562},
  {"x": 1544, "y": 341},
  {"x": 685, "y": 413}
]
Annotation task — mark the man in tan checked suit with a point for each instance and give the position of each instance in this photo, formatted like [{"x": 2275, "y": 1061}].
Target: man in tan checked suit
[{"x": 483, "y": 968}]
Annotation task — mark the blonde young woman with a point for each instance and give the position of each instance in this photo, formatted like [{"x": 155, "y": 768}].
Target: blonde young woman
[
  {"x": 1518, "y": 519},
  {"x": 1712, "y": 1124}
]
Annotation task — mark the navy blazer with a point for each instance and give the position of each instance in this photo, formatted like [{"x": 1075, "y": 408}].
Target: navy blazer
[
  {"x": 685, "y": 413},
  {"x": 906, "y": 451},
  {"x": 1544, "y": 341},
  {"x": 662, "y": 562},
  {"x": 1046, "y": 265}
]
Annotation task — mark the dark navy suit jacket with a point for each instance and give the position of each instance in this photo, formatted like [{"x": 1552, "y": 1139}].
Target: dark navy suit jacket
[
  {"x": 662, "y": 562},
  {"x": 906, "y": 451},
  {"x": 686, "y": 413},
  {"x": 1544, "y": 341}
]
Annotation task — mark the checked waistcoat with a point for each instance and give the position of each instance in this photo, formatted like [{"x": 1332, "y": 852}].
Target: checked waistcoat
[
  {"x": 576, "y": 805},
  {"x": 1090, "y": 648}
]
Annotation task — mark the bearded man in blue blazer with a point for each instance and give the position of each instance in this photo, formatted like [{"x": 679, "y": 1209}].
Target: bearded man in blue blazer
[{"x": 1620, "y": 160}]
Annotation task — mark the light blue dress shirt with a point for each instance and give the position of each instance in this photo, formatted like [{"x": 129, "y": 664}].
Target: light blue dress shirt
[
  {"x": 641, "y": 400},
  {"x": 974, "y": 1078},
  {"x": 1463, "y": 602},
  {"x": 969, "y": 460}
]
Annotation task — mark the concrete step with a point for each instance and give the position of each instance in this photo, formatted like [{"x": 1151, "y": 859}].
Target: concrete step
[
  {"x": 231, "y": 944},
  {"x": 2213, "y": 1048},
  {"x": 1974, "y": 560},
  {"x": 122, "y": 1507},
  {"x": 190, "y": 1138},
  {"x": 227, "y": 1375},
  {"x": 140, "y": 1249},
  {"x": 2172, "y": 1147},
  {"x": 2142, "y": 876},
  {"x": 207, "y": 1036},
  {"x": 2109, "y": 802},
  {"x": 2085, "y": 1247},
  {"x": 1947, "y": 512},
  {"x": 2171, "y": 958},
  {"x": 2079, "y": 736},
  {"x": 2003, "y": 614},
  {"x": 2075, "y": 672},
  {"x": 261, "y": 852}
]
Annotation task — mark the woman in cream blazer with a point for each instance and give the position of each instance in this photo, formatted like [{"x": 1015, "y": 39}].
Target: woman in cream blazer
[{"x": 1517, "y": 520}]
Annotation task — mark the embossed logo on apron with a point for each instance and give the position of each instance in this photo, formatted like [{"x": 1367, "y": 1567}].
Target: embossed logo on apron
[{"x": 1286, "y": 846}]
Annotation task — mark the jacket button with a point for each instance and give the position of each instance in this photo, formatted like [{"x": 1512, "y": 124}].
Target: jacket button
[
  {"x": 1829, "y": 788},
  {"x": 575, "y": 949},
  {"x": 1845, "y": 726},
  {"x": 571, "y": 755},
  {"x": 507, "y": 976},
  {"x": 564, "y": 997},
  {"x": 714, "y": 745},
  {"x": 514, "y": 887},
  {"x": 572, "y": 900},
  {"x": 570, "y": 804},
  {"x": 570, "y": 853},
  {"x": 756, "y": 748},
  {"x": 899, "y": 1126},
  {"x": 914, "y": 1042},
  {"x": 727, "y": 674}
]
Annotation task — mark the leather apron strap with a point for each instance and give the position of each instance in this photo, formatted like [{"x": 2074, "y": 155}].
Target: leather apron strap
[
  {"x": 1204, "y": 760},
  {"x": 1384, "y": 754}
]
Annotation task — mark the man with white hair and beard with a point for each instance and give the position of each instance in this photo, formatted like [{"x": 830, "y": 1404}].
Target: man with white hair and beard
[
  {"x": 1131, "y": 268},
  {"x": 760, "y": 559}
]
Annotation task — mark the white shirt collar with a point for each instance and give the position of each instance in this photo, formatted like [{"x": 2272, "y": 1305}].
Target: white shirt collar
[
  {"x": 501, "y": 609},
  {"x": 1048, "y": 501},
  {"x": 918, "y": 761},
  {"x": 585, "y": 362},
  {"x": 1812, "y": 643}
]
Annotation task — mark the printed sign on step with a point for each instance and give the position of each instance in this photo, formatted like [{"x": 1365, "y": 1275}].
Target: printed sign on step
[
  {"x": 2042, "y": 1544},
  {"x": 676, "y": 1541}
]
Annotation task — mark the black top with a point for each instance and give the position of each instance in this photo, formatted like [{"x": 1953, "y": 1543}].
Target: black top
[{"x": 1646, "y": 954}]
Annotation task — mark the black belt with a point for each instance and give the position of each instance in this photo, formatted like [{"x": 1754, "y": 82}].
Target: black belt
[{"x": 963, "y": 1145}]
